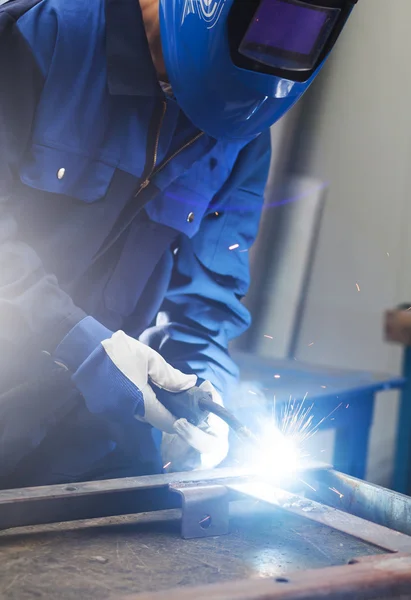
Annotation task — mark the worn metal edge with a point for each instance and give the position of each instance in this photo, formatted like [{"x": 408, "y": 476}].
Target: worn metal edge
[
  {"x": 357, "y": 527},
  {"x": 132, "y": 483},
  {"x": 383, "y": 576}
]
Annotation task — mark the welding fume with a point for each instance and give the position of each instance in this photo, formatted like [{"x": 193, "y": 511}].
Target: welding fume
[{"x": 135, "y": 149}]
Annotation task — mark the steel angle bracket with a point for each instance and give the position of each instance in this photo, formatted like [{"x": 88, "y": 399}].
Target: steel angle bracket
[{"x": 205, "y": 509}]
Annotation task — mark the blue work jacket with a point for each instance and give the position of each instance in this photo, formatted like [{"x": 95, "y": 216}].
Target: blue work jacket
[{"x": 112, "y": 203}]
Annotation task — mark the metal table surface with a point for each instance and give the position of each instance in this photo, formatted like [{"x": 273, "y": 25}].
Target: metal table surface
[
  {"x": 118, "y": 556},
  {"x": 276, "y": 536}
]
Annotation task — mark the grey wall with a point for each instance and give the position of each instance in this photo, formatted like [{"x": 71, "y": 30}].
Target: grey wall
[{"x": 356, "y": 136}]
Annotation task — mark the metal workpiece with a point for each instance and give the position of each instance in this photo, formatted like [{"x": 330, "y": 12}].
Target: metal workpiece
[
  {"x": 276, "y": 537},
  {"x": 362, "y": 499},
  {"x": 107, "y": 498},
  {"x": 205, "y": 510},
  {"x": 120, "y": 556},
  {"x": 366, "y": 530},
  {"x": 379, "y": 577},
  {"x": 122, "y": 484},
  {"x": 97, "y": 499}
]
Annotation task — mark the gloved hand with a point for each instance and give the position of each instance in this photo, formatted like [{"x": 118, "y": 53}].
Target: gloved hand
[
  {"x": 113, "y": 372},
  {"x": 184, "y": 451}
]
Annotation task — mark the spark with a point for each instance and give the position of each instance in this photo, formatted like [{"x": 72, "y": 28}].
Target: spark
[
  {"x": 324, "y": 387},
  {"x": 308, "y": 485},
  {"x": 207, "y": 518},
  {"x": 283, "y": 436},
  {"x": 328, "y": 416},
  {"x": 167, "y": 465},
  {"x": 312, "y": 344},
  {"x": 246, "y": 250},
  {"x": 348, "y": 406},
  {"x": 388, "y": 254},
  {"x": 277, "y": 376},
  {"x": 234, "y": 247},
  {"x": 358, "y": 287},
  {"x": 269, "y": 337},
  {"x": 336, "y": 492},
  {"x": 253, "y": 393},
  {"x": 297, "y": 422}
]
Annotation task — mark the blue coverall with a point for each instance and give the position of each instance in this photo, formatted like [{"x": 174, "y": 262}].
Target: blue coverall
[{"x": 112, "y": 205}]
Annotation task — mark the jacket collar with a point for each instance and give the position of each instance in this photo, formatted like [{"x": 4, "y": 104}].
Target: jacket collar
[{"x": 130, "y": 68}]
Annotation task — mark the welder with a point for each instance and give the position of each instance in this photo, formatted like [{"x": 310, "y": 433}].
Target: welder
[{"x": 135, "y": 147}]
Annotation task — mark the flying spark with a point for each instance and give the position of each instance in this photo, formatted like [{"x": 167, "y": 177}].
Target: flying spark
[
  {"x": 282, "y": 439},
  {"x": 328, "y": 416},
  {"x": 324, "y": 387},
  {"x": 277, "y": 376},
  {"x": 253, "y": 393},
  {"x": 348, "y": 406},
  {"x": 337, "y": 492},
  {"x": 234, "y": 247},
  {"x": 269, "y": 337},
  {"x": 358, "y": 287},
  {"x": 308, "y": 485},
  {"x": 312, "y": 344},
  {"x": 167, "y": 465}
]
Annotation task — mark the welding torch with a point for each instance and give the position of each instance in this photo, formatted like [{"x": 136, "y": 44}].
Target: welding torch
[{"x": 196, "y": 404}]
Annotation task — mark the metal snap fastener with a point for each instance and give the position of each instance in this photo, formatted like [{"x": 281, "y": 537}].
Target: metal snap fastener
[
  {"x": 61, "y": 172},
  {"x": 190, "y": 217}
]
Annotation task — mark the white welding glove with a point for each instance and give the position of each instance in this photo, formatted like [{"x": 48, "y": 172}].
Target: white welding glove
[
  {"x": 202, "y": 447},
  {"x": 115, "y": 379}
]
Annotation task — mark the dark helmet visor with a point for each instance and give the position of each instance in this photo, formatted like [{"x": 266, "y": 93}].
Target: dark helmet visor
[
  {"x": 289, "y": 34},
  {"x": 286, "y": 38}
]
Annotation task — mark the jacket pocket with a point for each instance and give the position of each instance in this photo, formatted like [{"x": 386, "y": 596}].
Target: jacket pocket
[
  {"x": 64, "y": 172},
  {"x": 226, "y": 235}
]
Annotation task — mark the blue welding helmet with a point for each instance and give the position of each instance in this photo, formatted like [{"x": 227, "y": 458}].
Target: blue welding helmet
[{"x": 237, "y": 66}]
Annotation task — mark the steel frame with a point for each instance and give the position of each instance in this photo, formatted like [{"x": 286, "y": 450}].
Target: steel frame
[
  {"x": 365, "y": 511},
  {"x": 378, "y": 577}
]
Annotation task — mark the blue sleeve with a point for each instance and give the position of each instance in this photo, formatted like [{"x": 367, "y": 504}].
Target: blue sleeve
[
  {"x": 202, "y": 311},
  {"x": 33, "y": 308}
]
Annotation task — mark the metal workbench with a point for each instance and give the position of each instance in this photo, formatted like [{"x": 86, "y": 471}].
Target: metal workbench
[{"x": 128, "y": 554}]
